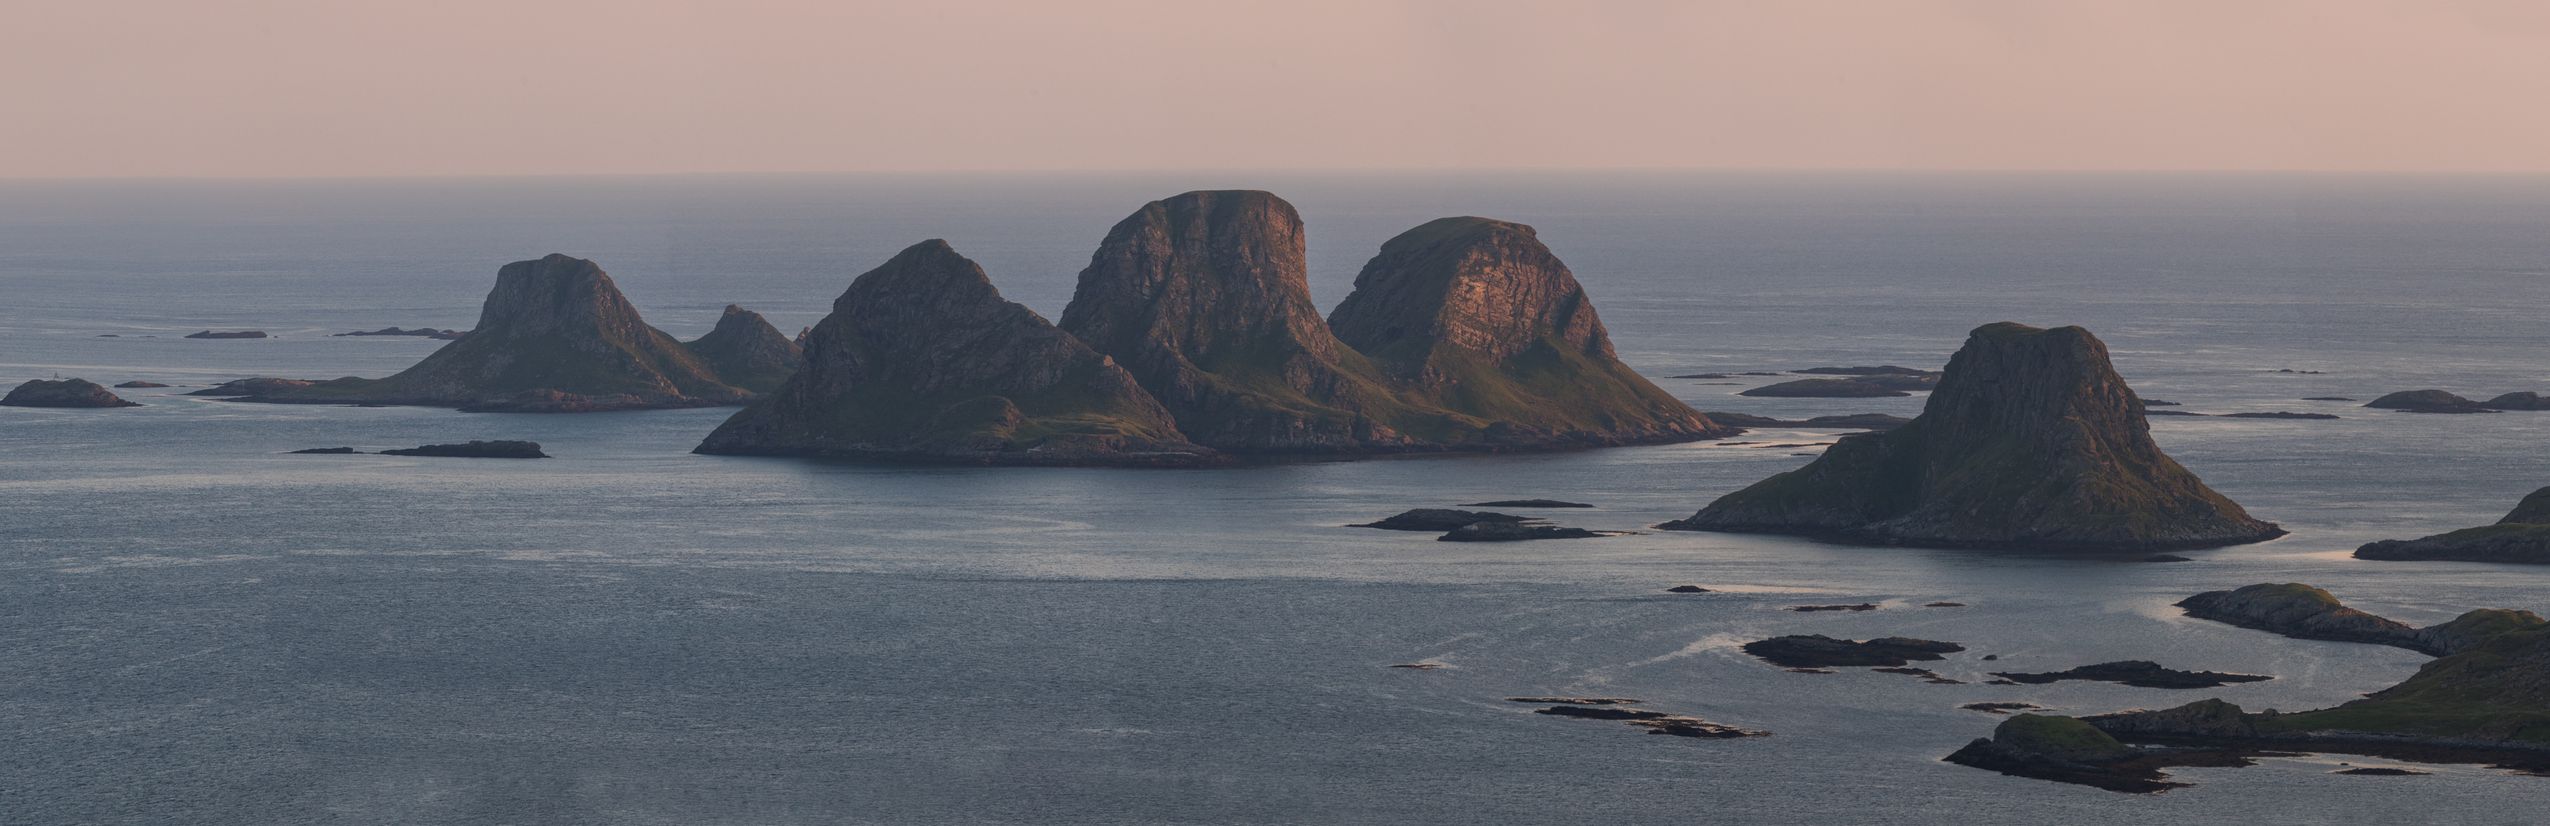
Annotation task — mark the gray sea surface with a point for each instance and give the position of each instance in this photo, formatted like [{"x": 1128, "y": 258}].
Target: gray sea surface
[{"x": 196, "y": 628}]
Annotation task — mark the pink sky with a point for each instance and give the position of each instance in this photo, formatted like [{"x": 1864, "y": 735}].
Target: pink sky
[{"x": 327, "y": 87}]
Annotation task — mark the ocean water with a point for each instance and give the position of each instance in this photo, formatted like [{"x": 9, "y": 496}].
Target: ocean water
[{"x": 196, "y": 628}]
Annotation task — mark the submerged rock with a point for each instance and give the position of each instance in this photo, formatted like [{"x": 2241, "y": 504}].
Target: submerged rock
[
  {"x": 138, "y": 384},
  {"x": 1478, "y": 317},
  {"x": 2031, "y": 441},
  {"x": 474, "y": 449},
  {"x": 1819, "y": 651},
  {"x": 1875, "y": 370},
  {"x": 228, "y": 334},
  {"x": 2522, "y": 537},
  {"x": 555, "y": 335},
  {"x": 747, "y": 352},
  {"x": 326, "y": 451},
  {"x": 922, "y": 359},
  {"x": 2136, "y": 673},
  {"x": 63, "y": 393}
]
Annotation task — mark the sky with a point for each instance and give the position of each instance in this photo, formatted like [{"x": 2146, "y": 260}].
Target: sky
[{"x": 255, "y": 88}]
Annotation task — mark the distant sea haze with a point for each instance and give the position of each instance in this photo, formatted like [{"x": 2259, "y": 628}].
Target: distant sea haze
[{"x": 209, "y": 630}]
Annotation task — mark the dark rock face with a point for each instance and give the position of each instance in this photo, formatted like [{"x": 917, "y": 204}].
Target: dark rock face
[
  {"x": 1655, "y": 722},
  {"x": 2301, "y": 611},
  {"x": 1438, "y": 519},
  {"x": 499, "y": 449},
  {"x": 230, "y": 334},
  {"x": 1819, "y": 651},
  {"x": 63, "y": 393},
  {"x": 554, "y": 335},
  {"x": 2522, "y": 537},
  {"x": 1478, "y": 317},
  {"x": 2031, "y": 441},
  {"x": 1514, "y": 532},
  {"x": 1474, "y": 338},
  {"x": 1205, "y": 300},
  {"x": 1857, "y": 387},
  {"x": 922, "y": 359},
  {"x": 747, "y": 352},
  {"x": 2426, "y": 401},
  {"x": 2136, "y": 673},
  {"x": 1686, "y": 589},
  {"x": 2518, "y": 401}
]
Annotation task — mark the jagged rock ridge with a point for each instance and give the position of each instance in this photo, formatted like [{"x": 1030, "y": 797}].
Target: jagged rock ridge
[
  {"x": 923, "y": 359},
  {"x": 1480, "y": 318},
  {"x": 2030, "y": 441},
  {"x": 554, "y": 335},
  {"x": 747, "y": 352}
]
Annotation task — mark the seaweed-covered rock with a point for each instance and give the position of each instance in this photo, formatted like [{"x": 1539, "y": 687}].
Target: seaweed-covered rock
[
  {"x": 2031, "y": 441},
  {"x": 923, "y": 359},
  {"x": 63, "y": 393}
]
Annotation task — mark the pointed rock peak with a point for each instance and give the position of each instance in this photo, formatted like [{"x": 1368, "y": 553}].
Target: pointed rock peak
[
  {"x": 1479, "y": 315},
  {"x": 2534, "y": 510},
  {"x": 746, "y": 351},
  {"x": 927, "y": 267},
  {"x": 2030, "y": 441},
  {"x": 922, "y": 358}
]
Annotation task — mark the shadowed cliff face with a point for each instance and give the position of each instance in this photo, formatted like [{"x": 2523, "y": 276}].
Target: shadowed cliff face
[
  {"x": 1204, "y": 299},
  {"x": 554, "y": 335},
  {"x": 2030, "y": 441},
  {"x": 1481, "y": 318},
  {"x": 923, "y": 359},
  {"x": 747, "y": 352}
]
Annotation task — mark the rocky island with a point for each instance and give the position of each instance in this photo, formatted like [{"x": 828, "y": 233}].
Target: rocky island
[
  {"x": 922, "y": 359},
  {"x": 1478, "y": 338},
  {"x": 747, "y": 352},
  {"x": 2303, "y": 612},
  {"x": 2031, "y": 441},
  {"x": 2522, "y": 537},
  {"x": 554, "y": 336},
  {"x": 63, "y": 393},
  {"x": 1478, "y": 317}
]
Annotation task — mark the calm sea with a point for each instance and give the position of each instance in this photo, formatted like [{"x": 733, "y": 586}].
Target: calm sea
[{"x": 198, "y": 629}]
